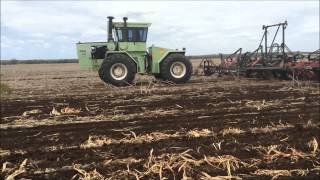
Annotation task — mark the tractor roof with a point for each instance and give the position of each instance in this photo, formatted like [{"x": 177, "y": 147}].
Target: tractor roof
[{"x": 131, "y": 24}]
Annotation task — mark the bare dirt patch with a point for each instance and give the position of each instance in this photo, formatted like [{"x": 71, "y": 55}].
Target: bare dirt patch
[{"x": 60, "y": 122}]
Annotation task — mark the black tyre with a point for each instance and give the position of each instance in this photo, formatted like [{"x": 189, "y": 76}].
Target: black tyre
[
  {"x": 158, "y": 76},
  {"x": 176, "y": 68},
  {"x": 267, "y": 75},
  {"x": 118, "y": 70},
  {"x": 248, "y": 74}
]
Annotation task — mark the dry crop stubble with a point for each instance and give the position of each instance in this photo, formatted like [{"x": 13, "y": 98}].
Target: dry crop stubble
[{"x": 208, "y": 128}]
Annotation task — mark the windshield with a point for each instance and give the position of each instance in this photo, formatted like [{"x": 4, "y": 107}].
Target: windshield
[{"x": 132, "y": 34}]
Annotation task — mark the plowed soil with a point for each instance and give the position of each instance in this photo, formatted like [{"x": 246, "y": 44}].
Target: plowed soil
[{"x": 63, "y": 123}]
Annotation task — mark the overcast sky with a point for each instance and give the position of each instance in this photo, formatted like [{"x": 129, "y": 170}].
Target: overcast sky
[{"x": 40, "y": 30}]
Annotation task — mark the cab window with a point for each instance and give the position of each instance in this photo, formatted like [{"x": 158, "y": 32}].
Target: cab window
[
  {"x": 142, "y": 34},
  {"x": 132, "y": 34},
  {"x": 119, "y": 35}
]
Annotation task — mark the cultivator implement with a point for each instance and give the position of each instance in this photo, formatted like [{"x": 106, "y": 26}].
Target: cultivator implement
[
  {"x": 305, "y": 69},
  {"x": 208, "y": 67},
  {"x": 227, "y": 65},
  {"x": 273, "y": 60}
]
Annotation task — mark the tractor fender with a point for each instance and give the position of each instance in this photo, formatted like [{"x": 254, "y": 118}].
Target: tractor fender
[
  {"x": 157, "y": 68},
  {"x": 168, "y": 53},
  {"x": 108, "y": 53}
]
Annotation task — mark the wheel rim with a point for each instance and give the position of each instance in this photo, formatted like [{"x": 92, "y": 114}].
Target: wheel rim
[
  {"x": 178, "y": 69},
  {"x": 118, "y": 71}
]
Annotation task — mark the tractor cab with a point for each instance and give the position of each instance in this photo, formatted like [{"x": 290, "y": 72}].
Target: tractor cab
[
  {"x": 132, "y": 32},
  {"x": 128, "y": 36}
]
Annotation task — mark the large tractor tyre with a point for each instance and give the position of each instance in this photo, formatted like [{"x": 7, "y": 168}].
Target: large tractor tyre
[
  {"x": 158, "y": 76},
  {"x": 118, "y": 70},
  {"x": 176, "y": 68}
]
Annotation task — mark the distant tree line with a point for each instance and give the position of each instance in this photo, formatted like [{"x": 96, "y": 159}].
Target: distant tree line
[{"x": 38, "y": 61}]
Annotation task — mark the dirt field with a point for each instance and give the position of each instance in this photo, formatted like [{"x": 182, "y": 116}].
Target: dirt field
[{"x": 63, "y": 123}]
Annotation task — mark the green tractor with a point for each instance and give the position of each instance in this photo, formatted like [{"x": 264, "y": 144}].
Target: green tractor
[{"x": 125, "y": 54}]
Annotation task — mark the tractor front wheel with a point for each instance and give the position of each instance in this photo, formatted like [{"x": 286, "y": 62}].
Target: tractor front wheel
[
  {"x": 176, "y": 68},
  {"x": 118, "y": 70},
  {"x": 158, "y": 77}
]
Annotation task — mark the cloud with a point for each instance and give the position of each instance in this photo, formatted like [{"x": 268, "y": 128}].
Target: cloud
[{"x": 204, "y": 27}]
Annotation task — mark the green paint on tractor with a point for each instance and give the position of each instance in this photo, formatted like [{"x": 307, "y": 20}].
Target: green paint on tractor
[{"x": 125, "y": 53}]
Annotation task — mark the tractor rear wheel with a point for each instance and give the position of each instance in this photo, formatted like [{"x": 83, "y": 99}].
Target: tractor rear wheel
[
  {"x": 118, "y": 70},
  {"x": 158, "y": 76},
  {"x": 176, "y": 68}
]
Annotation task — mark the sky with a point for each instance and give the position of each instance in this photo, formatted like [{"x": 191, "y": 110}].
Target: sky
[{"x": 50, "y": 29}]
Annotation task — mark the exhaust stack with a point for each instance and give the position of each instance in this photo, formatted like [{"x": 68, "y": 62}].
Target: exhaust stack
[
  {"x": 125, "y": 29},
  {"x": 125, "y": 21},
  {"x": 110, "y": 38}
]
